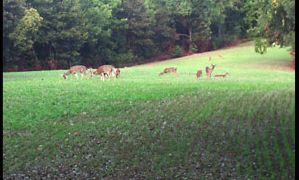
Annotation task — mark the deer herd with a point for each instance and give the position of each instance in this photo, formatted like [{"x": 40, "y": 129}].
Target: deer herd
[
  {"x": 104, "y": 71},
  {"x": 209, "y": 71},
  {"x": 107, "y": 71}
]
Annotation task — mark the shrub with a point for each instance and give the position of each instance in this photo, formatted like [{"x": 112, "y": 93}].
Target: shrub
[{"x": 178, "y": 51}]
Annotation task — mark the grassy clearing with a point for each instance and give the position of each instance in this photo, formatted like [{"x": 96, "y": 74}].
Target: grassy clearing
[{"x": 146, "y": 126}]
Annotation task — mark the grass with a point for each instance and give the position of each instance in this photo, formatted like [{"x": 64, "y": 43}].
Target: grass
[{"x": 145, "y": 126}]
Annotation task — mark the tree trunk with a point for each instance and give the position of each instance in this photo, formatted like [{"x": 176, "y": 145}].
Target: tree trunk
[
  {"x": 190, "y": 39},
  {"x": 36, "y": 61},
  {"x": 220, "y": 34}
]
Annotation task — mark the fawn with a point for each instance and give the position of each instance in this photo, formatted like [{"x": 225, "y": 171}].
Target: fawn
[
  {"x": 222, "y": 75},
  {"x": 209, "y": 70},
  {"x": 198, "y": 73},
  {"x": 168, "y": 70},
  {"x": 73, "y": 71}
]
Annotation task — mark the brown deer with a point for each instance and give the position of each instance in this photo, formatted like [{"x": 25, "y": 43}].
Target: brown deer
[
  {"x": 73, "y": 71},
  {"x": 198, "y": 73},
  {"x": 221, "y": 75},
  {"x": 209, "y": 70},
  {"x": 220, "y": 56},
  {"x": 169, "y": 70},
  {"x": 117, "y": 72},
  {"x": 107, "y": 70}
]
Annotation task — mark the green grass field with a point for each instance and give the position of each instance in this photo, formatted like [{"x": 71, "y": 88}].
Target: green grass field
[{"x": 145, "y": 126}]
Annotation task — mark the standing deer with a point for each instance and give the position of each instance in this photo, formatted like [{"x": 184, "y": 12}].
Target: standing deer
[
  {"x": 199, "y": 73},
  {"x": 209, "y": 70},
  {"x": 73, "y": 71},
  {"x": 169, "y": 70},
  {"x": 107, "y": 70},
  {"x": 221, "y": 75}
]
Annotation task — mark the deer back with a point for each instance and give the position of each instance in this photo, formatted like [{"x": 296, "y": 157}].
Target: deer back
[
  {"x": 77, "y": 68},
  {"x": 171, "y": 69},
  {"x": 198, "y": 73},
  {"x": 104, "y": 69}
]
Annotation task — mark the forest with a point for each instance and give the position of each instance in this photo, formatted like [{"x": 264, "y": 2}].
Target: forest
[{"x": 56, "y": 34}]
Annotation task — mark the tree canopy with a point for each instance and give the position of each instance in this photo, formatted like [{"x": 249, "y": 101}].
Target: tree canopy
[{"x": 40, "y": 33}]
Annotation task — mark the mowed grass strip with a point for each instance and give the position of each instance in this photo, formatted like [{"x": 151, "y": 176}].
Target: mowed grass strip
[{"x": 146, "y": 126}]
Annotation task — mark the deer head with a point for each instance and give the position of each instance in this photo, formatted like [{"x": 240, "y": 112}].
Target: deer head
[
  {"x": 117, "y": 72},
  {"x": 213, "y": 66}
]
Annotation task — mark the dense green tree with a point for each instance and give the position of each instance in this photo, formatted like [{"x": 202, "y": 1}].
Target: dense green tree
[
  {"x": 98, "y": 22},
  {"x": 62, "y": 32},
  {"x": 273, "y": 22},
  {"x": 40, "y": 33},
  {"x": 13, "y": 11},
  {"x": 138, "y": 34},
  {"x": 25, "y": 34},
  {"x": 162, "y": 25}
]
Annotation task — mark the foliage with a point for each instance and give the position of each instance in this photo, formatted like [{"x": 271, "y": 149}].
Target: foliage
[
  {"x": 13, "y": 11},
  {"x": 275, "y": 21},
  {"x": 178, "y": 51},
  {"x": 261, "y": 45},
  {"x": 100, "y": 32}
]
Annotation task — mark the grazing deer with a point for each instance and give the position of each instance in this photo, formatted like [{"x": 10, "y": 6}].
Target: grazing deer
[
  {"x": 220, "y": 56},
  {"x": 73, "y": 71},
  {"x": 221, "y": 75},
  {"x": 107, "y": 70},
  {"x": 199, "y": 73},
  {"x": 209, "y": 70},
  {"x": 168, "y": 70}
]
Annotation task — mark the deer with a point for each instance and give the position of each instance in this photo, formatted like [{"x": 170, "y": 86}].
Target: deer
[
  {"x": 169, "y": 70},
  {"x": 107, "y": 71},
  {"x": 198, "y": 73},
  {"x": 209, "y": 70},
  {"x": 73, "y": 71},
  {"x": 117, "y": 72},
  {"x": 221, "y": 75}
]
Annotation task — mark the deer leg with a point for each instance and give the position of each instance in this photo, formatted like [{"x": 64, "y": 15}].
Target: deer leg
[
  {"x": 83, "y": 75},
  {"x": 76, "y": 75}
]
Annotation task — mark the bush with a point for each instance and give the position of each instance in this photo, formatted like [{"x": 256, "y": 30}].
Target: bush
[
  {"x": 178, "y": 51},
  {"x": 194, "y": 49},
  {"x": 261, "y": 45}
]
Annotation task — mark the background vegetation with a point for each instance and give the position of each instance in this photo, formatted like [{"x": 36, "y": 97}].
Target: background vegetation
[{"x": 55, "y": 34}]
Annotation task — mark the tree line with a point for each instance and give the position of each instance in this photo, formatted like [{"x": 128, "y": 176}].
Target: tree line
[{"x": 55, "y": 34}]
